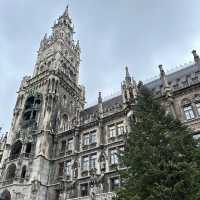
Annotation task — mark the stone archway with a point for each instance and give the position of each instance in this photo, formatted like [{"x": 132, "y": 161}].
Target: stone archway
[{"x": 5, "y": 195}]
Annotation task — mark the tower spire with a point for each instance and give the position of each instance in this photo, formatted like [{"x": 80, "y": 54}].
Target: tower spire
[
  {"x": 99, "y": 98},
  {"x": 127, "y": 77},
  {"x": 100, "y": 105},
  {"x": 129, "y": 87},
  {"x": 66, "y": 12}
]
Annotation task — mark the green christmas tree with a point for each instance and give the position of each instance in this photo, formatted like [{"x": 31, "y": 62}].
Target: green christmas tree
[{"x": 161, "y": 155}]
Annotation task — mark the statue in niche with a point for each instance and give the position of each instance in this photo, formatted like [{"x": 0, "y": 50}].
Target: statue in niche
[
  {"x": 93, "y": 185},
  {"x": 102, "y": 160},
  {"x": 35, "y": 186},
  {"x": 75, "y": 169},
  {"x": 44, "y": 145},
  {"x": 62, "y": 196}
]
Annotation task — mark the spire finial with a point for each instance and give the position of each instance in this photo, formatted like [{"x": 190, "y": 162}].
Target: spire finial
[
  {"x": 66, "y": 11},
  {"x": 196, "y": 56},
  {"x": 99, "y": 98},
  {"x": 162, "y": 72},
  {"x": 127, "y": 77}
]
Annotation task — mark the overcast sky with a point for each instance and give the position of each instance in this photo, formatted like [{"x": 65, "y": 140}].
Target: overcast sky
[{"x": 112, "y": 33}]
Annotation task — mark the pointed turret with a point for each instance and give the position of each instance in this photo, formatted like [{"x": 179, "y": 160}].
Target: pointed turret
[
  {"x": 43, "y": 42},
  {"x": 129, "y": 88},
  {"x": 196, "y": 57},
  {"x": 64, "y": 18},
  {"x": 127, "y": 77},
  {"x": 100, "y": 105},
  {"x": 99, "y": 98},
  {"x": 63, "y": 27},
  {"x": 163, "y": 78},
  {"x": 66, "y": 12},
  {"x": 77, "y": 47}
]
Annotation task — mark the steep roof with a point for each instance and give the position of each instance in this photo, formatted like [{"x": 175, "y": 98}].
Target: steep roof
[
  {"x": 115, "y": 101},
  {"x": 190, "y": 75},
  {"x": 174, "y": 77}
]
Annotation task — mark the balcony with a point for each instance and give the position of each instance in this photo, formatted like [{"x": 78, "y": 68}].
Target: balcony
[
  {"x": 22, "y": 155},
  {"x": 12, "y": 180}
]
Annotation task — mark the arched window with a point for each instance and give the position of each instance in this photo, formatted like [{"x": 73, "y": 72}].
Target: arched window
[
  {"x": 64, "y": 121},
  {"x": 23, "y": 173},
  {"x": 53, "y": 85},
  {"x": 10, "y": 175},
  {"x": 15, "y": 150},
  {"x": 64, "y": 100},
  {"x": 32, "y": 105},
  {"x": 28, "y": 148}
]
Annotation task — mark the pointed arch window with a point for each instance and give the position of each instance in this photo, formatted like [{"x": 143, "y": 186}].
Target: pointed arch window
[
  {"x": 31, "y": 108},
  {"x": 10, "y": 175},
  {"x": 15, "y": 150},
  {"x": 23, "y": 173},
  {"x": 64, "y": 123}
]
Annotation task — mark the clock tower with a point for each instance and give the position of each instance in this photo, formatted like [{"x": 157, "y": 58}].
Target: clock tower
[{"x": 48, "y": 102}]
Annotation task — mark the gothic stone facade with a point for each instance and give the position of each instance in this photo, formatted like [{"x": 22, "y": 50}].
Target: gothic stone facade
[{"x": 57, "y": 149}]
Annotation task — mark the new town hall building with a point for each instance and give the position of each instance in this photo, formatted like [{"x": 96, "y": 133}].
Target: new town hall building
[{"x": 57, "y": 149}]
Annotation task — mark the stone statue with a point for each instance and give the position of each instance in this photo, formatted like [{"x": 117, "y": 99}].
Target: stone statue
[
  {"x": 92, "y": 193},
  {"x": 75, "y": 169},
  {"x": 44, "y": 145}
]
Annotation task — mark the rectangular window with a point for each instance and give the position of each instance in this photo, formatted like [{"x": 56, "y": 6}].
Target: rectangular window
[
  {"x": 112, "y": 131},
  {"x": 114, "y": 157},
  {"x": 63, "y": 146},
  {"x": 198, "y": 108},
  {"x": 84, "y": 189},
  {"x": 60, "y": 169},
  {"x": 85, "y": 163},
  {"x": 120, "y": 129},
  {"x": 93, "y": 139},
  {"x": 114, "y": 183},
  {"x": 68, "y": 168},
  {"x": 93, "y": 158},
  {"x": 120, "y": 152},
  {"x": 189, "y": 114},
  {"x": 86, "y": 139},
  {"x": 70, "y": 144}
]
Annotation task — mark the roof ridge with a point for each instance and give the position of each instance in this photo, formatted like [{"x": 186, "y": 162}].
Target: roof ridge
[{"x": 171, "y": 71}]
